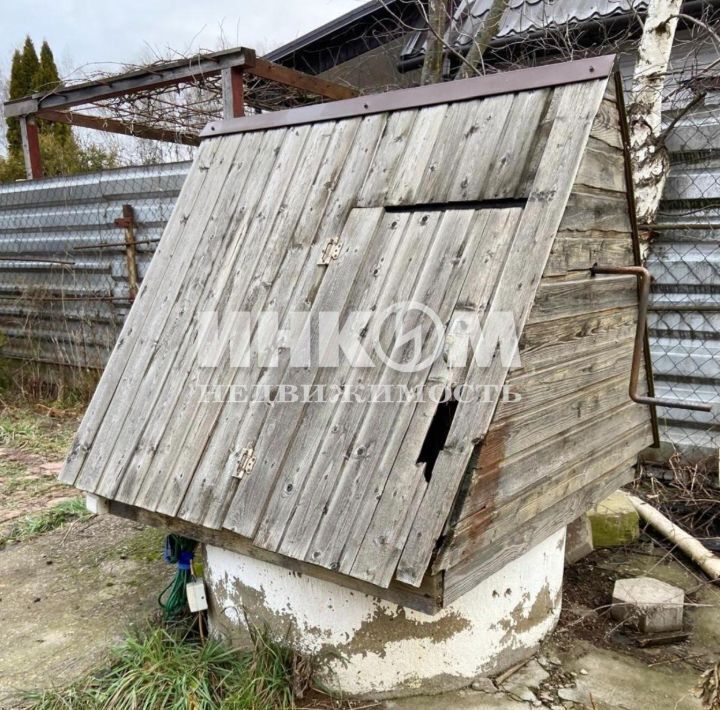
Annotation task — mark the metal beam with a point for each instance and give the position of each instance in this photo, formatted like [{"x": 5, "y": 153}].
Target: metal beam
[
  {"x": 31, "y": 147},
  {"x": 299, "y": 80},
  {"x": 182, "y": 71},
  {"x": 112, "y": 125}
]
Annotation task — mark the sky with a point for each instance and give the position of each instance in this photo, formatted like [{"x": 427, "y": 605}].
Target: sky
[{"x": 92, "y": 35}]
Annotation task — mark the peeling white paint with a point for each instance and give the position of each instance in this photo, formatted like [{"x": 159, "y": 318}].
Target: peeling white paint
[{"x": 388, "y": 649}]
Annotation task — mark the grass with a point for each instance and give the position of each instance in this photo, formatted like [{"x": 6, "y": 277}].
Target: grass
[
  {"x": 165, "y": 669},
  {"x": 47, "y": 520},
  {"x": 37, "y": 429}
]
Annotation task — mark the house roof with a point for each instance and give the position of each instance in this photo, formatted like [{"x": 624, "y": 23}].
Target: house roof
[
  {"x": 357, "y": 215},
  {"x": 521, "y": 17}
]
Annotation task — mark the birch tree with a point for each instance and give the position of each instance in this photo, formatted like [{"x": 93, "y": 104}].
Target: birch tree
[{"x": 650, "y": 161}]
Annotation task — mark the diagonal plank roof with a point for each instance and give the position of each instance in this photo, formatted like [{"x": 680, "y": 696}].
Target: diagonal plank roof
[{"x": 340, "y": 484}]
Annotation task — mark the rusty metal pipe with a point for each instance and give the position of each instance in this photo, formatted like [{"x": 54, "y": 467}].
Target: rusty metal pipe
[{"x": 644, "y": 278}]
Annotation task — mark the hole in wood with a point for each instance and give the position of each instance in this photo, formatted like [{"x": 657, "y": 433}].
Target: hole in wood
[{"x": 437, "y": 435}]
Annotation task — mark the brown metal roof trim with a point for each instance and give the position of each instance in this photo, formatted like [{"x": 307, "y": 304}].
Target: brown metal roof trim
[{"x": 448, "y": 92}]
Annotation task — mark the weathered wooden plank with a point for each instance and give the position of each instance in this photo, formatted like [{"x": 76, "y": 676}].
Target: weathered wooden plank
[
  {"x": 143, "y": 342},
  {"x": 544, "y": 342},
  {"x": 538, "y": 388},
  {"x": 426, "y": 599},
  {"x": 195, "y": 422},
  {"x": 428, "y": 125},
  {"x": 389, "y": 152},
  {"x": 294, "y": 255},
  {"x": 538, "y": 149},
  {"x": 143, "y": 306},
  {"x": 301, "y": 432},
  {"x": 242, "y": 512},
  {"x": 254, "y": 493},
  {"x": 463, "y": 577},
  {"x": 182, "y": 397},
  {"x": 243, "y": 284},
  {"x": 470, "y": 176},
  {"x": 496, "y": 480},
  {"x": 602, "y": 167},
  {"x": 515, "y": 293},
  {"x": 379, "y": 533},
  {"x": 444, "y": 268},
  {"x": 562, "y": 299},
  {"x": 606, "y": 126},
  {"x": 606, "y": 211},
  {"x": 336, "y": 437},
  {"x": 259, "y": 425},
  {"x": 486, "y": 527},
  {"x": 577, "y": 253},
  {"x": 506, "y": 173},
  {"x": 181, "y": 320},
  {"x": 461, "y": 122}
]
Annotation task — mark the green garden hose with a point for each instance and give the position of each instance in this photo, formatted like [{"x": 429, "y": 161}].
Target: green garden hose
[{"x": 178, "y": 550}]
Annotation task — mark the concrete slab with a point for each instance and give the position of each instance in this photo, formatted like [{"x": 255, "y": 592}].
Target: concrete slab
[
  {"x": 619, "y": 682},
  {"x": 578, "y": 540},
  {"x": 614, "y": 521},
  {"x": 460, "y": 700},
  {"x": 652, "y": 605}
]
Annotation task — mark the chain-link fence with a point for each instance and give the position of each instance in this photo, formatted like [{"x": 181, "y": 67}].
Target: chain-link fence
[
  {"x": 72, "y": 253},
  {"x": 684, "y": 259}
]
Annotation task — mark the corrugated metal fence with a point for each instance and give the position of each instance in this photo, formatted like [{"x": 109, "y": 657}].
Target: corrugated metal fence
[
  {"x": 684, "y": 259},
  {"x": 65, "y": 269}
]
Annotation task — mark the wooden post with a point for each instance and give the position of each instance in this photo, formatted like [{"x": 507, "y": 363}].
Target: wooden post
[
  {"x": 127, "y": 222},
  {"x": 31, "y": 147},
  {"x": 233, "y": 89}
]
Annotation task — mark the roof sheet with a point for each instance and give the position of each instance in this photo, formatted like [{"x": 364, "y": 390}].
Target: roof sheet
[{"x": 342, "y": 484}]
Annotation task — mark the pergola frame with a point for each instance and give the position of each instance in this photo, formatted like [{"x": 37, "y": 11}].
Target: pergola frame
[{"x": 232, "y": 65}]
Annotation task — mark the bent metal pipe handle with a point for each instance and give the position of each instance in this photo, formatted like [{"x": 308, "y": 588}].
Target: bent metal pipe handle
[{"x": 644, "y": 278}]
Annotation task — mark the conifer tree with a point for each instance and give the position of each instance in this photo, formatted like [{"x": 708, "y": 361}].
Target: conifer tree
[
  {"x": 46, "y": 79},
  {"x": 60, "y": 152}
]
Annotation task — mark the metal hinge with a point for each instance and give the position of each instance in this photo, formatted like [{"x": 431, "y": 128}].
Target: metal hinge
[
  {"x": 246, "y": 461},
  {"x": 331, "y": 251}
]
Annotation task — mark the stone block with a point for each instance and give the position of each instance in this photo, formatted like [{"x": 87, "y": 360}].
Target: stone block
[
  {"x": 614, "y": 521},
  {"x": 649, "y": 603},
  {"x": 578, "y": 540}
]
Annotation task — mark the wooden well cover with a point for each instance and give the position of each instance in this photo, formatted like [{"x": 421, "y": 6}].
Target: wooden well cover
[{"x": 449, "y": 196}]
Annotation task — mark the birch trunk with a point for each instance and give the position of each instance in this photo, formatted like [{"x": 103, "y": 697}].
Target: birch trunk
[
  {"x": 650, "y": 160},
  {"x": 432, "y": 69}
]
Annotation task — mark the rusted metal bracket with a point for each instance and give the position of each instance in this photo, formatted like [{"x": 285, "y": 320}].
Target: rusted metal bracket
[
  {"x": 127, "y": 222},
  {"x": 644, "y": 279}
]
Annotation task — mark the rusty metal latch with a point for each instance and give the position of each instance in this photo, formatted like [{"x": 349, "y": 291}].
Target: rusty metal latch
[
  {"x": 644, "y": 278},
  {"x": 330, "y": 252},
  {"x": 246, "y": 461}
]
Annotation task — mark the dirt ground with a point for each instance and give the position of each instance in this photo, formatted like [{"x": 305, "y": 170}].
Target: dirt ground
[{"x": 67, "y": 595}]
